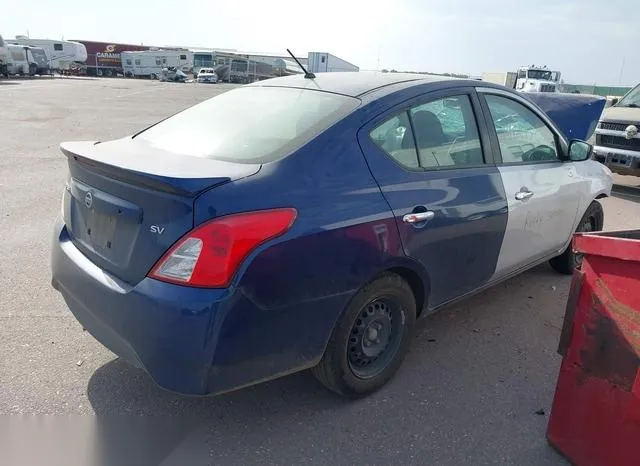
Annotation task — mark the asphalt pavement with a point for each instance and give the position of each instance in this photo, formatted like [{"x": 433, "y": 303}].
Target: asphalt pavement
[{"x": 476, "y": 387}]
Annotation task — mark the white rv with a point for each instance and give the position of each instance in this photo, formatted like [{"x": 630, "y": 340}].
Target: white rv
[
  {"x": 26, "y": 60},
  {"x": 150, "y": 63},
  {"x": 4, "y": 58},
  {"x": 62, "y": 54}
]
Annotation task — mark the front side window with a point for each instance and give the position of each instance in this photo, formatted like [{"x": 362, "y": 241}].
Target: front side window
[
  {"x": 439, "y": 134},
  {"x": 522, "y": 135},
  {"x": 129, "y": 61},
  {"x": 249, "y": 124}
]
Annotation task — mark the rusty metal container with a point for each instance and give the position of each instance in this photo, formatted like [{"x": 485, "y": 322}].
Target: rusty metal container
[{"x": 595, "y": 418}]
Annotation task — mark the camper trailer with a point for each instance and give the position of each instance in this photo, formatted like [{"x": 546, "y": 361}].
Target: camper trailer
[
  {"x": 26, "y": 60},
  {"x": 4, "y": 58},
  {"x": 61, "y": 54},
  {"x": 150, "y": 63}
]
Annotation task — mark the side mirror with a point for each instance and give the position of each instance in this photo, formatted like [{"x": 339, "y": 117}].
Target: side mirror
[
  {"x": 579, "y": 150},
  {"x": 614, "y": 101}
]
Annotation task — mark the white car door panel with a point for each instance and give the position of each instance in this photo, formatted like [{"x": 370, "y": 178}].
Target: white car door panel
[
  {"x": 543, "y": 192},
  {"x": 543, "y": 203}
]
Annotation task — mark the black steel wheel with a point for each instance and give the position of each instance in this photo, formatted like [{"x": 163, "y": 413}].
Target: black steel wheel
[
  {"x": 569, "y": 260},
  {"x": 375, "y": 337},
  {"x": 371, "y": 338}
]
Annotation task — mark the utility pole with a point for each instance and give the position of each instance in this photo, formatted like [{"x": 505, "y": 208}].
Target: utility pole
[{"x": 621, "y": 71}]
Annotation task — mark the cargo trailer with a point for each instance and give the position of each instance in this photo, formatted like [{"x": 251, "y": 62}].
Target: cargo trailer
[{"x": 322, "y": 62}]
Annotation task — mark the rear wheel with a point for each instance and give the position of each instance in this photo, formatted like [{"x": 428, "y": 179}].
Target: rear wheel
[
  {"x": 370, "y": 340},
  {"x": 592, "y": 220}
]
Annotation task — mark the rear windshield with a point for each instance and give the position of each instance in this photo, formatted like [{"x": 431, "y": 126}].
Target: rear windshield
[{"x": 249, "y": 124}]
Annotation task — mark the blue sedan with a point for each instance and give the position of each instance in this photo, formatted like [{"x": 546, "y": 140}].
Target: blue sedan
[{"x": 303, "y": 222}]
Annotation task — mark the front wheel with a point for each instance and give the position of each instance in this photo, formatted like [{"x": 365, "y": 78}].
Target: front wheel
[
  {"x": 371, "y": 338},
  {"x": 569, "y": 260}
]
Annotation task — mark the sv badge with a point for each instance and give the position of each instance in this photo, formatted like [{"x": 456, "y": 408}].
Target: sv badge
[{"x": 158, "y": 230}]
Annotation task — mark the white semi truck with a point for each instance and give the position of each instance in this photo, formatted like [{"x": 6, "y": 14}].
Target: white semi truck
[{"x": 527, "y": 79}]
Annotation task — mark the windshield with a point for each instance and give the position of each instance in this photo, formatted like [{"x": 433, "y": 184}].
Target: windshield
[
  {"x": 632, "y": 99},
  {"x": 539, "y": 74},
  {"x": 249, "y": 124}
]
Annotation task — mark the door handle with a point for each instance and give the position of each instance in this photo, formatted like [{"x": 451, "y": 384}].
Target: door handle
[
  {"x": 522, "y": 195},
  {"x": 418, "y": 217}
]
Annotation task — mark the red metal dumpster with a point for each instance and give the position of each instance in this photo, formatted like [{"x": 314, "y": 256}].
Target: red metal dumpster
[{"x": 595, "y": 418}]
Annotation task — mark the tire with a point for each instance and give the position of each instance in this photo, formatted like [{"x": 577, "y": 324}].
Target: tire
[
  {"x": 369, "y": 342},
  {"x": 592, "y": 220}
]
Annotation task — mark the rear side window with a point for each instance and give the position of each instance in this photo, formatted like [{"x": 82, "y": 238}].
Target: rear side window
[
  {"x": 439, "y": 134},
  {"x": 395, "y": 137},
  {"x": 250, "y": 124},
  {"x": 57, "y": 47}
]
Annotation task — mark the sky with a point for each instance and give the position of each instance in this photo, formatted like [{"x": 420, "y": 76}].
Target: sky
[{"x": 589, "y": 41}]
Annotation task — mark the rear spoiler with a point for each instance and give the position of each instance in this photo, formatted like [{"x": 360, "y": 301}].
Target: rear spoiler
[
  {"x": 576, "y": 115},
  {"x": 84, "y": 153}
]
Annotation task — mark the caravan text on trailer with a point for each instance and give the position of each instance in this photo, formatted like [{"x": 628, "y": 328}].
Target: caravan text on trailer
[{"x": 103, "y": 58}]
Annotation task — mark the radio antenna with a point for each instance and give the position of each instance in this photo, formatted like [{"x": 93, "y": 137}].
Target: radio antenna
[{"x": 306, "y": 73}]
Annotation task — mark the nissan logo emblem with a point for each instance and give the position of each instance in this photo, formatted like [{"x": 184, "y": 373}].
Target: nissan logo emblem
[{"x": 88, "y": 200}]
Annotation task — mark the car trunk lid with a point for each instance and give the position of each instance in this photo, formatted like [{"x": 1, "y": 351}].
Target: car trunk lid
[{"x": 126, "y": 202}]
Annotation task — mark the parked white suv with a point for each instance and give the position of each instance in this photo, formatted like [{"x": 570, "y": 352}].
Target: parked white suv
[{"x": 207, "y": 75}]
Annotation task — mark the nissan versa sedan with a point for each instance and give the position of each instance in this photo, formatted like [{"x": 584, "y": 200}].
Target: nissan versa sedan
[{"x": 306, "y": 222}]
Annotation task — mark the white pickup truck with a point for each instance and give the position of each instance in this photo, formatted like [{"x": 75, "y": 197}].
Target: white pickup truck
[{"x": 617, "y": 136}]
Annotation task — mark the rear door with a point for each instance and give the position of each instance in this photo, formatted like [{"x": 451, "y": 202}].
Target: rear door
[
  {"x": 542, "y": 190},
  {"x": 433, "y": 164}
]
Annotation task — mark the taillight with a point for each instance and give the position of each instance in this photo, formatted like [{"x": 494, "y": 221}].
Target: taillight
[{"x": 209, "y": 255}]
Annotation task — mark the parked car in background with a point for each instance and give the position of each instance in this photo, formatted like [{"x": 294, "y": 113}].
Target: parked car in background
[
  {"x": 207, "y": 75},
  {"x": 300, "y": 223},
  {"x": 617, "y": 139},
  {"x": 173, "y": 74}
]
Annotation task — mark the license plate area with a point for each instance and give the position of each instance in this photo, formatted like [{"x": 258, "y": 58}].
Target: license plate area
[
  {"x": 93, "y": 228},
  {"x": 618, "y": 159},
  {"x": 100, "y": 229}
]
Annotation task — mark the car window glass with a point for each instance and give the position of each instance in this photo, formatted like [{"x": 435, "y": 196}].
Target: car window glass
[
  {"x": 446, "y": 133},
  {"x": 394, "y": 136},
  {"x": 522, "y": 135},
  {"x": 249, "y": 124}
]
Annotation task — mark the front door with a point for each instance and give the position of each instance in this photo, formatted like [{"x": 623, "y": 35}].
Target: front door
[
  {"x": 542, "y": 192},
  {"x": 430, "y": 159}
]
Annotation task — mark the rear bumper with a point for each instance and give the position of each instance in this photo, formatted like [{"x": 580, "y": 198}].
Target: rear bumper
[{"x": 190, "y": 341}]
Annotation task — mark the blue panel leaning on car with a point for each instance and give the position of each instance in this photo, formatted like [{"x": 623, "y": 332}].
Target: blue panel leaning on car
[{"x": 306, "y": 222}]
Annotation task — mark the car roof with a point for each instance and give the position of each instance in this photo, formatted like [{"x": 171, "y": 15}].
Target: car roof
[{"x": 353, "y": 84}]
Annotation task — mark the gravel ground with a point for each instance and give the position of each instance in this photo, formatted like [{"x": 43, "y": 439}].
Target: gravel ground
[{"x": 467, "y": 393}]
